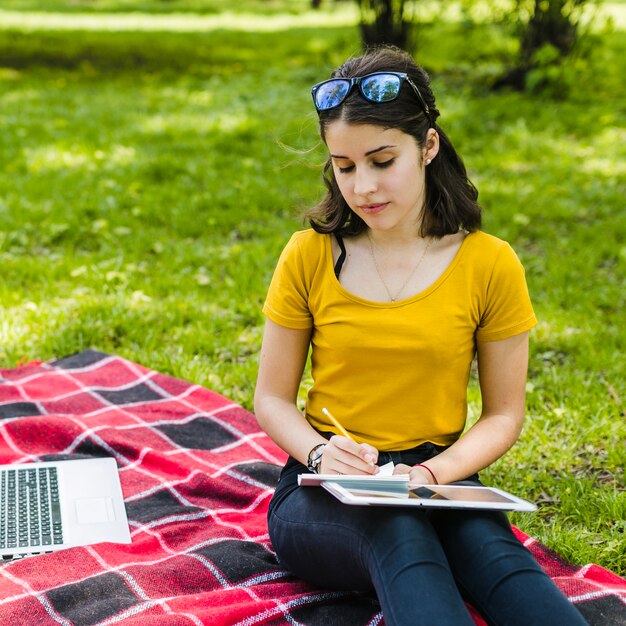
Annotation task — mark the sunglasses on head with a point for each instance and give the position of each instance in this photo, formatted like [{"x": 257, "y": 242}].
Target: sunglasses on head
[{"x": 376, "y": 87}]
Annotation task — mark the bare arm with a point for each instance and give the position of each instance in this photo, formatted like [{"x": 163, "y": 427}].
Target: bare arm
[
  {"x": 502, "y": 369},
  {"x": 283, "y": 357}
]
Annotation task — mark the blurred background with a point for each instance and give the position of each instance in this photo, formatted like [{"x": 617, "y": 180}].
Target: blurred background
[{"x": 155, "y": 156}]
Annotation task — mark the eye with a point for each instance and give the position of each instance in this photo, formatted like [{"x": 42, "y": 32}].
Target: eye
[
  {"x": 345, "y": 170},
  {"x": 384, "y": 164}
]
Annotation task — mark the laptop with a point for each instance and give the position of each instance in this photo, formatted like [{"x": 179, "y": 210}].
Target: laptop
[
  {"x": 50, "y": 506},
  {"x": 397, "y": 491}
]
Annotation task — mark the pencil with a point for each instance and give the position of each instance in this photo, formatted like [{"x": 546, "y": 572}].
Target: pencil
[{"x": 342, "y": 430}]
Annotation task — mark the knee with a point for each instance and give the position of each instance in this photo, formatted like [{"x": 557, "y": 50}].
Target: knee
[
  {"x": 494, "y": 563},
  {"x": 483, "y": 542},
  {"x": 500, "y": 554},
  {"x": 463, "y": 532}
]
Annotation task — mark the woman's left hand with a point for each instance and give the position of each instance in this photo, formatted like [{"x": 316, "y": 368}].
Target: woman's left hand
[
  {"x": 417, "y": 475},
  {"x": 401, "y": 468}
]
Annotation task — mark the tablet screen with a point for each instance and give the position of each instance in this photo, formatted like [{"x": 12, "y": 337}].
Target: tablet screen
[
  {"x": 363, "y": 492},
  {"x": 450, "y": 492}
]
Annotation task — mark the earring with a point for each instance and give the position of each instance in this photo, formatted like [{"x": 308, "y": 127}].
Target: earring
[{"x": 428, "y": 161}]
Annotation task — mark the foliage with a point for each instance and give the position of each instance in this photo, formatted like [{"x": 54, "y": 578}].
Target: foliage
[
  {"x": 145, "y": 194},
  {"x": 549, "y": 33},
  {"x": 551, "y": 22},
  {"x": 386, "y": 22}
]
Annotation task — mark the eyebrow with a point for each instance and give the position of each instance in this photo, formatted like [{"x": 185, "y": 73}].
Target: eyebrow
[{"x": 370, "y": 152}]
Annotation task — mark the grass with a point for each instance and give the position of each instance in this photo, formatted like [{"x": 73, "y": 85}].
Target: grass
[
  {"x": 148, "y": 182},
  {"x": 152, "y": 7}
]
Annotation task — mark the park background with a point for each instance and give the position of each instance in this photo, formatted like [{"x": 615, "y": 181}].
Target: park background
[{"x": 155, "y": 156}]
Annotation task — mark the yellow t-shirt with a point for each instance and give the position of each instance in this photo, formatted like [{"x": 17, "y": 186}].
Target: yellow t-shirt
[{"x": 395, "y": 374}]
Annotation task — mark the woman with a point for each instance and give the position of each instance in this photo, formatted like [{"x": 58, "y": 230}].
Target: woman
[{"x": 395, "y": 290}]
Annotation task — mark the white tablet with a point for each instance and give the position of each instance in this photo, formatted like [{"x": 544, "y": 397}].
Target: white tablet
[{"x": 401, "y": 493}]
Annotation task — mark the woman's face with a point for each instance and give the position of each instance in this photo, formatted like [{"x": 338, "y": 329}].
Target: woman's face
[{"x": 380, "y": 173}]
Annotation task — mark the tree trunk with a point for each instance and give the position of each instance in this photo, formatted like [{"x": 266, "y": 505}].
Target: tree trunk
[
  {"x": 552, "y": 23},
  {"x": 384, "y": 22}
]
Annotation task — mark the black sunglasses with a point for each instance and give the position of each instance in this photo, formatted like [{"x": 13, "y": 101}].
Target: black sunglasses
[{"x": 377, "y": 87}]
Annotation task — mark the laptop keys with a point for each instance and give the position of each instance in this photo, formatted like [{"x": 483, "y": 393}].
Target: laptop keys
[{"x": 30, "y": 510}]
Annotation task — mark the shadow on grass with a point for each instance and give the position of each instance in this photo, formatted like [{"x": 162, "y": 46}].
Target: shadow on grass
[
  {"x": 219, "y": 51},
  {"x": 201, "y": 7},
  {"x": 470, "y": 58}
]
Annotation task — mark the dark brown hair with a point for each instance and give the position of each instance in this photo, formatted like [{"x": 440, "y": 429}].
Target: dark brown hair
[{"x": 450, "y": 202}]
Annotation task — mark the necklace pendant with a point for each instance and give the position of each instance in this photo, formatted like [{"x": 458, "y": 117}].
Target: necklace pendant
[{"x": 380, "y": 274}]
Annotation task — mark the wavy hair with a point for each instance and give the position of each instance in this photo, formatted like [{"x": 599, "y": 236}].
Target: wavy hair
[{"x": 450, "y": 201}]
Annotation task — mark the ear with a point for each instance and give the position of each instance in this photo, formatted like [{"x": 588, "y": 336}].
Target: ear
[{"x": 431, "y": 145}]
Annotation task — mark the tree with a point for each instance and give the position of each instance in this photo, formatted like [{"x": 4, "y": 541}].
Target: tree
[
  {"x": 547, "y": 36},
  {"x": 386, "y": 22}
]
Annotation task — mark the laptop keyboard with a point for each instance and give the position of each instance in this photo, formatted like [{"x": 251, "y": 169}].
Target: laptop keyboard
[{"x": 30, "y": 512}]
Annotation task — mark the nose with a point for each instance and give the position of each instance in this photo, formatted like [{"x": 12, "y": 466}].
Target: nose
[{"x": 364, "y": 182}]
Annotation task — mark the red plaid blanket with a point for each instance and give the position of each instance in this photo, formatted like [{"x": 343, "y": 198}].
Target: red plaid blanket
[{"x": 197, "y": 475}]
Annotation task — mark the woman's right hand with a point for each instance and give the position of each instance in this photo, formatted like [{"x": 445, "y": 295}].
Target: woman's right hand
[{"x": 344, "y": 456}]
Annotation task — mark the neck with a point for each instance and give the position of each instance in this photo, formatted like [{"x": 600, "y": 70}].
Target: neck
[
  {"x": 397, "y": 238},
  {"x": 399, "y": 263}
]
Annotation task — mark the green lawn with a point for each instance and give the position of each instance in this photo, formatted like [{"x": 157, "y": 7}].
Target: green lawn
[
  {"x": 149, "y": 178},
  {"x": 205, "y": 7}
]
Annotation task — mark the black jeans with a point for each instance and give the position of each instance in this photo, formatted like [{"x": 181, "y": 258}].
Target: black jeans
[{"x": 422, "y": 564}]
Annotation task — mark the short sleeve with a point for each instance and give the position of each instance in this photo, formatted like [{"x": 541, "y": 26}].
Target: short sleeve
[
  {"x": 287, "y": 297},
  {"x": 508, "y": 310}
]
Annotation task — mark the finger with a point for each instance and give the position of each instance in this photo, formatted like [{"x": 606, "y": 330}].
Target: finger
[
  {"x": 363, "y": 450},
  {"x": 361, "y": 457},
  {"x": 344, "y": 443},
  {"x": 350, "y": 469},
  {"x": 368, "y": 453},
  {"x": 348, "y": 463},
  {"x": 401, "y": 468},
  {"x": 344, "y": 460},
  {"x": 331, "y": 463}
]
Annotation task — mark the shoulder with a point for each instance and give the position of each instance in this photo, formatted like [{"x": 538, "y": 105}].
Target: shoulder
[
  {"x": 305, "y": 246},
  {"x": 304, "y": 253},
  {"x": 481, "y": 242},
  {"x": 500, "y": 283},
  {"x": 487, "y": 250},
  {"x": 308, "y": 240}
]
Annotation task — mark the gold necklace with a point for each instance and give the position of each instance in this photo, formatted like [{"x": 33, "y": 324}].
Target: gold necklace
[{"x": 380, "y": 274}]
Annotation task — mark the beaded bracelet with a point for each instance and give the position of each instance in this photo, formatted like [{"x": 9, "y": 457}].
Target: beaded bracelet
[{"x": 429, "y": 471}]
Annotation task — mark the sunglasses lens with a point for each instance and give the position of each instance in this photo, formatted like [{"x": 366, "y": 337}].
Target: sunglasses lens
[
  {"x": 381, "y": 87},
  {"x": 331, "y": 94}
]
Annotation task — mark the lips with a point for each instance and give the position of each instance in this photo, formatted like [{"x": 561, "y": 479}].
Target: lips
[{"x": 372, "y": 209}]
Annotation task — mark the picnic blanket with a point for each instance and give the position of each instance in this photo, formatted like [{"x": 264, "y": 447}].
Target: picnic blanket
[{"x": 197, "y": 474}]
